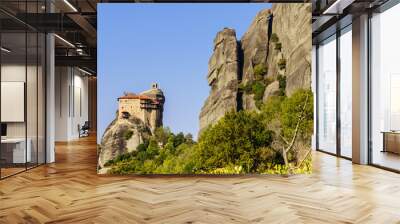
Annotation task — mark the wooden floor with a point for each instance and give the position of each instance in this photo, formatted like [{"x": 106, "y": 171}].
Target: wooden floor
[{"x": 69, "y": 191}]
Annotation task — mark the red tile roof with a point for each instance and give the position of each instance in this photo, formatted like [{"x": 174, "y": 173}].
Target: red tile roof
[{"x": 131, "y": 96}]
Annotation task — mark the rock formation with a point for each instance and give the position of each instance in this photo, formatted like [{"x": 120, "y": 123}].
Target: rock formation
[
  {"x": 254, "y": 45},
  {"x": 222, "y": 77},
  {"x": 137, "y": 117},
  {"x": 121, "y": 136},
  {"x": 292, "y": 24},
  {"x": 287, "y": 54}
]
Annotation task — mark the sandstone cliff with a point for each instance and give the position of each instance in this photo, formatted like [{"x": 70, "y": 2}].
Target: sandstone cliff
[
  {"x": 292, "y": 25},
  {"x": 254, "y": 45},
  {"x": 222, "y": 78},
  {"x": 278, "y": 42}
]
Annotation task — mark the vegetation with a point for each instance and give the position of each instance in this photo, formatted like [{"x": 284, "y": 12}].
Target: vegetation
[
  {"x": 260, "y": 71},
  {"x": 282, "y": 63},
  {"x": 282, "y": 84},
  {"x": 278, "y": 46},
  {"x": 274, "y": 38},
  {"x": 275, "y": 140},
  {"x": 258, "y": 89}
]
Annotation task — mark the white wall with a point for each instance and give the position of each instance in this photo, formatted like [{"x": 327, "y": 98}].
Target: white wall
[{"x": 71, "y": 102}]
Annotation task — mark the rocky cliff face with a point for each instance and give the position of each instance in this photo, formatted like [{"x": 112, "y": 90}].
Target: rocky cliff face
[
  {"x": 292, "y": 25},
  {"x": 121, "y": 136},
  {"x": 222, "y": 78},
  {"x": 254, "y": 45},
  {"x": 278, "y": 40}
]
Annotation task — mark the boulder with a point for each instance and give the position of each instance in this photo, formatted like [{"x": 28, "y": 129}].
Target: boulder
[{"x": 271, "y": 90}]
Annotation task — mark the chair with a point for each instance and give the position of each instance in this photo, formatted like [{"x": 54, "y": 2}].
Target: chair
[{"x": 84, "y": 130}]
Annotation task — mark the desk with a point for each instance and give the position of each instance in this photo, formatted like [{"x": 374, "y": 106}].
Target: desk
[
  {"x": 16, "y": 147},
  {"x": 391, "y": 141}
]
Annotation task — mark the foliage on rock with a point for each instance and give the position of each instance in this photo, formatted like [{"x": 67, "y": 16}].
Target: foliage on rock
[
  {"x": 282, "y": 63},
  {"x": 240, "y": 142},
  {"x": 274, "y": 38}
]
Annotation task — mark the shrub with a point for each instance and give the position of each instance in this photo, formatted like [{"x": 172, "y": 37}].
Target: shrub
[
  {"x": 233, "y": 141},
  {"x": 282, "y": 63},
  {"x": 162, "y": 134},
  {"x": 274, "y": 37},
  {"x": 247, "y": 88},
  {"x": 259, "y": 71},
  {"x": 259, "y": 104},
  {"x": 282, "y": 84},
  {"x": 278, "y": 46},
  {"x": 258, "y": 89}
]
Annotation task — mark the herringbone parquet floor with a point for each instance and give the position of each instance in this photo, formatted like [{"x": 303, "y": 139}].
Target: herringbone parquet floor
[{"x": 69, "y": 191}]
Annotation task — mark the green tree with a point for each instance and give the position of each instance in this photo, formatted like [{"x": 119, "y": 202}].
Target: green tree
[
  {"x": 162, "y": 134},
  {"x": 153, "y": 148},
  {"x": 233, "y": 140}
]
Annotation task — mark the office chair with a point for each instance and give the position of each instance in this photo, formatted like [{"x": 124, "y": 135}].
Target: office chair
[{"x": 84, "y": 130}]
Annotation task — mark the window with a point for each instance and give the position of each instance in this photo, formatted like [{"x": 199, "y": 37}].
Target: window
[
  {"x": 385, "y": 89},
  {"x": 346, "y": 92},
  {"x": 327, "y": 95}
]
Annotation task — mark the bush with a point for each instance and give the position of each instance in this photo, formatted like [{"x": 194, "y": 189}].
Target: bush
[
  {"x": 259, "y": 71},
  {"x": 233, "y": 141},
  {"x": 278, "y": 46},
  {"x": 259, "y": 103},
  {"x": 282, "y": 85},
  {"x": 258, "y": 89},
  {"x": 162, "y": 134},
  {"x": 247, "y": 88},
  {"x": 282, "y": 63},
  {"x": 274, "y": 38}
]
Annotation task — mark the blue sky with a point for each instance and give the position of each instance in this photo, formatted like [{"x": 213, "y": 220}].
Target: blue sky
[{"x": 170, "y": 44}]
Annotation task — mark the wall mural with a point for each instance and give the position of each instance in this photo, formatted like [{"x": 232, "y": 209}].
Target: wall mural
[{"x": 257, "y": 118}]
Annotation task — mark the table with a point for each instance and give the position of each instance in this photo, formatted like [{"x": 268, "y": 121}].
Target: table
[
  {"x": 391, "y": 141},
  {"x": 16, "y": 147}
]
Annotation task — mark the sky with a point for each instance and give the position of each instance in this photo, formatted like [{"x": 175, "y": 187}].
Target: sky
[{"x": 170, "y": 44}]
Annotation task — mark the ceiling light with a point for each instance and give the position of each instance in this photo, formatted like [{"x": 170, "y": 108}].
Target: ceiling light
[
  {"x": 70, "y": 5},
  {"x": 84, "y": 71},
  {"x": 5, "y": 50},
  {"x": 64, "y": 40}
]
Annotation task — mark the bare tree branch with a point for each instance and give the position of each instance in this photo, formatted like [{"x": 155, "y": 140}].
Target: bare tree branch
[{"x": 291, "y": 144}]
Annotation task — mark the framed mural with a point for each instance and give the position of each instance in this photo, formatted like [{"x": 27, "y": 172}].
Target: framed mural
[{"x": 184, "y": 93}]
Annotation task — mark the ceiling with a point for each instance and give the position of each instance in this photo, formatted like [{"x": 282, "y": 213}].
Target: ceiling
[{"x": 73, "y": 21}]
